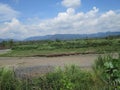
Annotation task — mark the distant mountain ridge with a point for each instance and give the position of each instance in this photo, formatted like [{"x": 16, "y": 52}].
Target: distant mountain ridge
[
  {"x": 67, "y": 36},
  {"x": 1, "y": 40},
  {"x": 72, "y": 36}
]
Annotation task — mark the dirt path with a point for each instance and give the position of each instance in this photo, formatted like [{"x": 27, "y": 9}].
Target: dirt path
[
  {"x": 45, "y": 64},
  {"x": 4, "y": 51}
]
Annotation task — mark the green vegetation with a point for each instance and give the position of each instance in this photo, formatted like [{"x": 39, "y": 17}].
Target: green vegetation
[
  {"x": 6, "y": 44},
  {"x": 39, "y": 48},
  {"x": 105, "y": 76},
  {"x": 8, "y": 81},
  {"x": 108, "y": 70}
]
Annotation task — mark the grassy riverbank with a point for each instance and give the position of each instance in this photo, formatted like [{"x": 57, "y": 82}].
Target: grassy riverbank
[{"x": 48, "y": 48}]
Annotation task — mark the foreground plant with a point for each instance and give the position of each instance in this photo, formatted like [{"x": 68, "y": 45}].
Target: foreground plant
[
  {"x": 8, "y": 81},
  {"x": 108, "y": 70},
  {"x": 69, "y": 78}
]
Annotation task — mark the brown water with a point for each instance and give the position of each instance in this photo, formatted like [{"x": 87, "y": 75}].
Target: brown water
[
  {"x": 81, "y": 60},
  {"x": 41, "y": 65}
]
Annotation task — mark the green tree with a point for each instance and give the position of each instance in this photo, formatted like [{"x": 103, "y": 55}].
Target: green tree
[
  {"x": 3, "y": 44},
  {"x": 11, "y": 43}
]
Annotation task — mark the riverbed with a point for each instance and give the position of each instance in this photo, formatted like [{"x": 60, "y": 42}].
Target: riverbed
[{"x": 42, "y": 65}]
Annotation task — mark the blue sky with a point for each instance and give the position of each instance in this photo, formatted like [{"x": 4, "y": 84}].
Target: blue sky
[{"x": 25, "y": 18}]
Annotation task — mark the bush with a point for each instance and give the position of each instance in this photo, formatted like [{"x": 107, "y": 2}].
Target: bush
[
  {"x": 71, "y": 78},
  {"x": 25, "y": 47},
  {"x": 8, "y": 80},
  {"x": 107, "y": 69}
]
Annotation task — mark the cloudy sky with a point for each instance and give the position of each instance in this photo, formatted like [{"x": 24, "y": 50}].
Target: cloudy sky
[{"x": 20, "y": 19}]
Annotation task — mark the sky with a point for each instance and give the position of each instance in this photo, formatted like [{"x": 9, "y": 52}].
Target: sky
[{"x": 20, "y": 19}]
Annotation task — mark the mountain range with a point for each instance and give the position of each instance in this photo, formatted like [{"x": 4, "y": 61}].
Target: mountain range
[
  {"x": 72, "y": 36},
  {"x": 68, "y": 36}
]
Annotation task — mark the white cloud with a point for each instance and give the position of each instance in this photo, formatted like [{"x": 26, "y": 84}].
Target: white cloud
[
  {"x": 79, "y": 23},
  {"x": 68, "y": 22},
  {"x": 7, "y": 13},
  {"x": 71, "y": 3},
  {"x": 109, "y": 21},
  {"x": 16, "y": 30},
  {"x": 12, "y": 29}
]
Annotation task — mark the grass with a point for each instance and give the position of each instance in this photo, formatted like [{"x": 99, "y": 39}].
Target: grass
[
  {"x": 105, "y": 76},
  {"x": 8, "y": 81},
  {"x": 71, "y": 78},
  {"x": 37, "y": 48},
  {"x": 25, "y": 53}
]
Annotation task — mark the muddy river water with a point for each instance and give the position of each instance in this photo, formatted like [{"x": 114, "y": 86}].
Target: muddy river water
[{"x": 41, "y": 65}]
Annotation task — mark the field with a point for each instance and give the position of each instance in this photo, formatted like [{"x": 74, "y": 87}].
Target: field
[
  {"x": 62, "y": 48},
  {"x": 84, "y": 64}
]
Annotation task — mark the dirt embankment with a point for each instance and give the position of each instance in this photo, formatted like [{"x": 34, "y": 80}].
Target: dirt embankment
[{"x": 65, "y": 54}]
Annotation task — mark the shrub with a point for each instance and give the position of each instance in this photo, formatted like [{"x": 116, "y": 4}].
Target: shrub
[
  {"x": 107, "y": 70},
  {"x": 71, "y": 78},
  {"x": 8, "y": 80}
]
